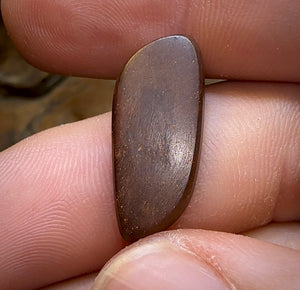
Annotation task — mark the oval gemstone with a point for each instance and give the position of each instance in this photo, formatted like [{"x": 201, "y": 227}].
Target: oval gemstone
[{"x": 157, "y": 116}]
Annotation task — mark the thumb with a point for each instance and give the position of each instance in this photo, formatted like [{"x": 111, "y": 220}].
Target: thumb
[{"x": 197, "y": 259}]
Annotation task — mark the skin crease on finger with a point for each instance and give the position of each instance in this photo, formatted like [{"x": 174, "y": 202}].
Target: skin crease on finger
[
  {"x": 250, "y": 40},
  {"x": 56, "y": 193}
]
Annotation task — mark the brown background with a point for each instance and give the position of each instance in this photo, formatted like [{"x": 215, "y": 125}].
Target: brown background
[{"x": 32, "y": 100}]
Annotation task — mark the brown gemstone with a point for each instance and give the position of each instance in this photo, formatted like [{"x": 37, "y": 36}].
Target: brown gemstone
[{"x": 156, "y": 135}]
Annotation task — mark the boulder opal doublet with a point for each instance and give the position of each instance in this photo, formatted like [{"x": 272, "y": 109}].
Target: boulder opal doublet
[{"x": 157, "y": 116}]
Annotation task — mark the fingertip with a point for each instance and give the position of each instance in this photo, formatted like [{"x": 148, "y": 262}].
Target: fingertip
[
  {"x": 197, "y": 259},
  {"x": 158, "y": 265}
]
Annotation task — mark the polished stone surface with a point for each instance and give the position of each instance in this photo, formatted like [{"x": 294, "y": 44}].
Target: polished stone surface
[{"x": 157, "y": 116}]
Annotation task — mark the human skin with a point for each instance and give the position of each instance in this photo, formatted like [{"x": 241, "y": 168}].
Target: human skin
[{"x": 57, "y": 218}]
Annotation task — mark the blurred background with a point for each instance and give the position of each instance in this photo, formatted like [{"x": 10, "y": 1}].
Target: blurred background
[{"x": 32, "y": 100}]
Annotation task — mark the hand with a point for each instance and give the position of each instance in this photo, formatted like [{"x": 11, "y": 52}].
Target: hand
[{"x": 57, "y": 216}]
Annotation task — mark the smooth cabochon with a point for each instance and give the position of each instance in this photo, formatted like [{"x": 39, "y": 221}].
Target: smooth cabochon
[{"x": 156, "y": 135}]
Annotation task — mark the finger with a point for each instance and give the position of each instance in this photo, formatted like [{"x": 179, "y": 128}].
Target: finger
[
  {"x": 245, "y": 179},
  {"x": 57, "y": 210},
  {"x": 239, "y": 39},
  {"x": 56, "y": 204},
  {"x": 283, "y": 234},
  {"x": 195, "y": 259}
]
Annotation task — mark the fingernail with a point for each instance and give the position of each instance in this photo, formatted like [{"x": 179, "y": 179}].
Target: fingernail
[{"x": 158, "y": 266}]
